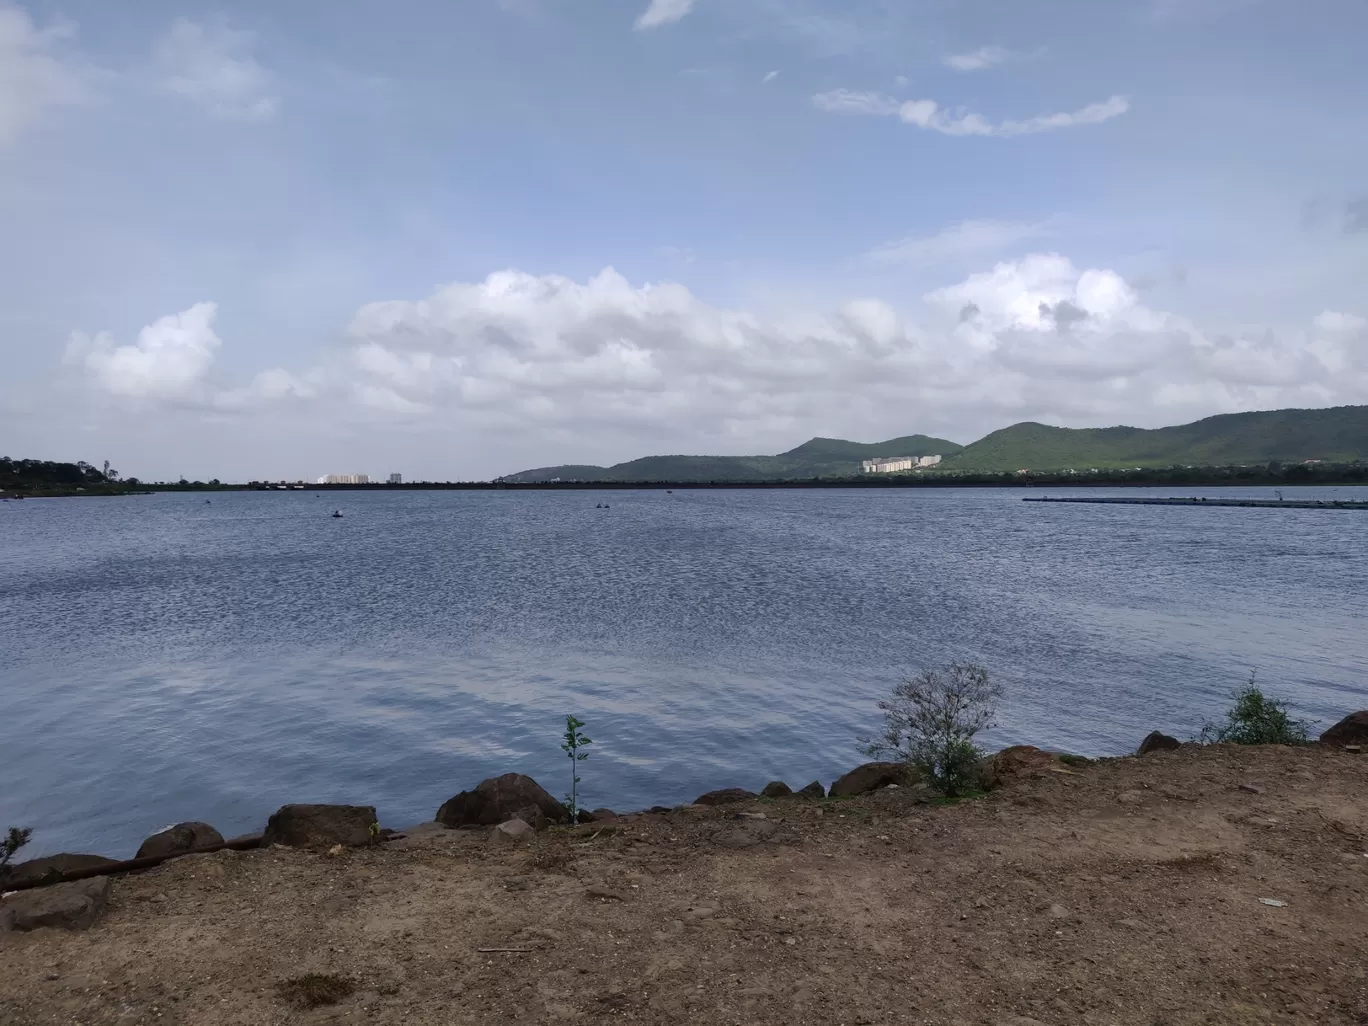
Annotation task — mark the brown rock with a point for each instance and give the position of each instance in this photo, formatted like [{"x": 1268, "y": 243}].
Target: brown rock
[
  {"x": 512, "y": 832},
  {"x": 598, "y": 816},
  {"x": 813, "y": 790},
  {"x": 1017, "y": 762},
  {"x": 1352, "y": 730},
  {"x": 1157, "y": 742},
  {"x": 68, "y": 906},
  {"x": 179, "y": 839},
  {"x": 532, "y": 816},
  {"x": 746, "y": 833},
  {"x": 49, "y": 868},
  {"x": 319, "y": 826},
  {"x": 776, "y": 789},
  {"x": 725, "y": 796},
  {"x": 497, "y": 800},
  {"x": 872, "y": 776}
]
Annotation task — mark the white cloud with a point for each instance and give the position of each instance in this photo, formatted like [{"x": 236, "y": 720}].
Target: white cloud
[
  {"x": 663, "y": 12},
  {"x": 901, "y": 81},
  {"x": 1092, "y": 114},
  {"x": 769, "y": 77},
  {"x": 1331, "y": 320},
  {"x": 967, "y": 239},
  {"x": 33, "y": 77},
  {"x": 984, "y": 57},
  {"x": 210, "y": 65},
  {"x": 930, "y": 115},
  {"x": 171, "y": 362},
  {"x": 170, "y": 359},
  {"x": 541, "y": 357},
  {"x": 851, "y": 101}
]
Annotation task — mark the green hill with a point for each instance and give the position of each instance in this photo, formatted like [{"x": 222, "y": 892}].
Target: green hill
[
  {"x": 1334, "y": 435},
  {"x": 817, "y": 457},
  {"x": 1339, "y": 434}
]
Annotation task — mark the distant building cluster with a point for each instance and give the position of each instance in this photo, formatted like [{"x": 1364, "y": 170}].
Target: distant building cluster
[
  {"x": 344, "y": 479},
  {"x": 396, "y": 479},
  {"x": 894, "y": 464}
]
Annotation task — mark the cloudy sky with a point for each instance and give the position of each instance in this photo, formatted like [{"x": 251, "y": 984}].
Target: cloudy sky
[{"x": 459, "y": 238}]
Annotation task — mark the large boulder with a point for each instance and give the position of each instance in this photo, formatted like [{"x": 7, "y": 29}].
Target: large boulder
[
  {"x": 872, "y": 776},
  {"x": 813, "y": 790},
  {"x": 67, "y": 906},
  {"x": 179, "y": 839},
  {"x": 320, "y": 826},
  {"x": 1352, "y": 730},
  {"x": 725, "y": 796},
  {"x": 1157, "y": 742},
  {"x": 776, "y": 789},
  {"x": 498, "y": 800},
  {"x": 48, "y": 869}
]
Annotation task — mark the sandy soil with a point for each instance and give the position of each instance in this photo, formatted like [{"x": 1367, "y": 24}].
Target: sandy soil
[{"x": 1126, "y": 892}]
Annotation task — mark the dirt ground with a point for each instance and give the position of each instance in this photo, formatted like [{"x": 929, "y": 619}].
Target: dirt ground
[{"x": 1128, "y": 891}]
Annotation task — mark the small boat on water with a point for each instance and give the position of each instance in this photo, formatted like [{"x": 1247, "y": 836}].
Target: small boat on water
[{"x": 337, "y": 514}]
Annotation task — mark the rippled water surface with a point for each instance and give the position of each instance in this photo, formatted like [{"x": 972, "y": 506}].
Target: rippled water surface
[{"x": 164, "y": 658}]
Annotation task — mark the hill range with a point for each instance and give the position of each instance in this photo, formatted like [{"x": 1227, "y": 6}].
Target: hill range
[{"x": 1335, "y": 435}]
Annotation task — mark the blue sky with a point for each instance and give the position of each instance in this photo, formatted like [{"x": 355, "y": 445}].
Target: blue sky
[{"x": 457, "y": 239}]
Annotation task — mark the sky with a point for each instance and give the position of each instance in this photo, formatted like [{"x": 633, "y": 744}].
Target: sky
[{"x": 460, "y": 238}]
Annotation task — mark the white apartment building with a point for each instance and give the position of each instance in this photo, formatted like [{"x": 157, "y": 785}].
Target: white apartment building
[
  {"x": 891, "y": 465},
  {"x": 344, "y": 479},
  {"x": 888, "y": 466}
]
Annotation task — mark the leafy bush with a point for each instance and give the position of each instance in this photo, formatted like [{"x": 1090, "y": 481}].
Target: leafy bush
[
  {"x": 931, "y": 720},
  {"x": 1255, "y": 719},
  {"x": 15, "y": 838}
]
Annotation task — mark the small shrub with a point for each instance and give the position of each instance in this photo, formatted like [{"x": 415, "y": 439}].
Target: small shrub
[
  {"x": 1255, "y": 719},
  {"x": 572, "y": 744},
  {"x": 313, "y": 990},
  {"x": 15, "y": 838},
  {"x": 931, "y": 720},
  {"x": 1075, "y": 760}
]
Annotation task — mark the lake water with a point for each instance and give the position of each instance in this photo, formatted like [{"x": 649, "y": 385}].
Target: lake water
[{"x": 164, "y": 658}]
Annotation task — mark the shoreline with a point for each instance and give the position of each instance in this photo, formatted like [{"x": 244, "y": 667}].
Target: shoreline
[
  {"x": 1178, "y": 887},
  {"x": 1350, "y": 734}
]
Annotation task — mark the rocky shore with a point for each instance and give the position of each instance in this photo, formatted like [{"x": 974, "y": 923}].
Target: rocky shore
[{"x": 1188, "y": 884}]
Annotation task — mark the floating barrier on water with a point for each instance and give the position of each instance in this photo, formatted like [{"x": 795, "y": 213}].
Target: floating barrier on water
[{"x": 1186, "y": 501}]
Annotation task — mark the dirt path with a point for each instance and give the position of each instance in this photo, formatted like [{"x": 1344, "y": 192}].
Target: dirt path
[{"x": 1126, "y": 893}]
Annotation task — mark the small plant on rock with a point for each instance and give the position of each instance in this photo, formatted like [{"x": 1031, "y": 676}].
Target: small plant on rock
[
  {"x": 15, "y": 838},
  {"x": 572, "y": 744},
  {"x": 1256, "y": 719},
  {"x": 931, "y": 720}
]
